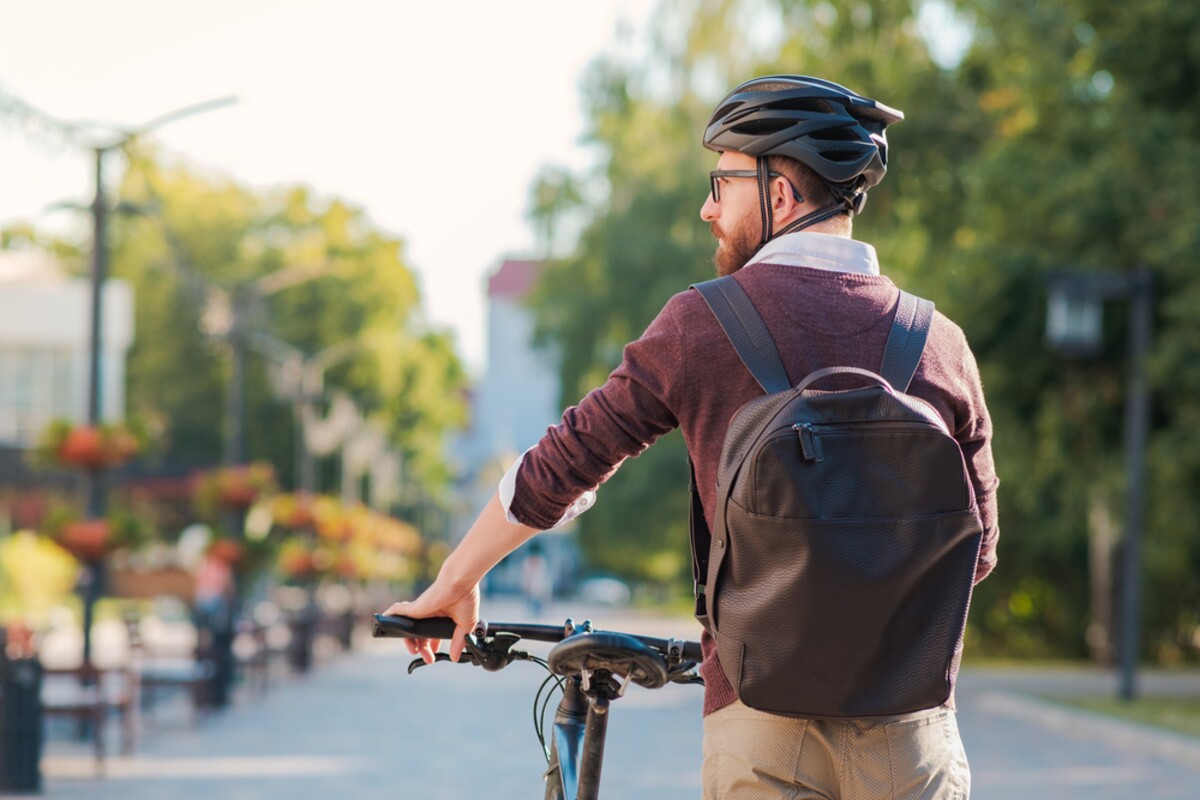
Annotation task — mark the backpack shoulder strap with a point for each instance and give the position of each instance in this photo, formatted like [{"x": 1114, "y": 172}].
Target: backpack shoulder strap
[
  {"x": 700, "y": 538},
  {"x": 746, "y": 332},
  {"x": 906, "y": 342}
]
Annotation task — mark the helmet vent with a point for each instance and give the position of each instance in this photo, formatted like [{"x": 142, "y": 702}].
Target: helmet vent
[
  {"x": 812, "y": 105},
  {"x": 842, "y": 156},
  {"x": 761, "y": 127},
  {"x": 836, "y": 135}
]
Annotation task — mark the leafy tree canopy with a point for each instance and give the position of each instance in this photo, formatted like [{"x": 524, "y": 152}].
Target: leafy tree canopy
[{"x": 1064, "y": 138}]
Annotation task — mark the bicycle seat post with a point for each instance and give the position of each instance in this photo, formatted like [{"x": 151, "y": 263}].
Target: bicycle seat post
[
  {"x": 570, "y": 726},
  {"x": 593, "y": 747}
]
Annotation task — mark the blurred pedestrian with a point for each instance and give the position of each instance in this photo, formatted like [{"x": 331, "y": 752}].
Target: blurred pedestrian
[{"x": 536, "y": 581}]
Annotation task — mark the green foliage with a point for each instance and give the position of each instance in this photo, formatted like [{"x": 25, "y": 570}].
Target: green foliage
[
  {"x": 1065, "y": 138},
  {"x": 307, "y": 276}
]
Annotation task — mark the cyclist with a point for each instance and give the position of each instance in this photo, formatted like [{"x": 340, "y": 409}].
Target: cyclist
[{"x": 796, "y": 158}]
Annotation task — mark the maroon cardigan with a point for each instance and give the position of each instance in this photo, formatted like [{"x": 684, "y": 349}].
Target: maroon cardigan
[{"x": 683, "y": 372}]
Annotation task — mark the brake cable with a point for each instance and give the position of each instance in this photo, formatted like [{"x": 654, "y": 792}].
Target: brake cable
[{"x": 495, "y": 652}]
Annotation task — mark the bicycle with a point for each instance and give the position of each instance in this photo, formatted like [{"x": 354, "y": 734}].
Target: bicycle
[{"x": 591, "y": 667}]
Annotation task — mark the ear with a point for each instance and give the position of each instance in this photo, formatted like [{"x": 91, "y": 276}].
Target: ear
[{"x": 784, "y": 198}]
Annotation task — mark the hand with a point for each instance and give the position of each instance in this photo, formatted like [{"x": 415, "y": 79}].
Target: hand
[{"x": 440, "y": 600}]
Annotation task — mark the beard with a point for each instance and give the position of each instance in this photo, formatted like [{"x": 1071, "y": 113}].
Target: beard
[{"x": 734, "y": 247}]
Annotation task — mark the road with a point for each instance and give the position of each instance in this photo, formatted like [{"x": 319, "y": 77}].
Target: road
[{"x": 358, "y": 727}]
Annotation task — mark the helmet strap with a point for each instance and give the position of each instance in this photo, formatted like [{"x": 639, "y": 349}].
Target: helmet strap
[
  {"x": 820, "y": 215},
  {"x": 768, "y": 216},
  {"x": 764, "y": 200},
  {"x": 812, "y": 218}
]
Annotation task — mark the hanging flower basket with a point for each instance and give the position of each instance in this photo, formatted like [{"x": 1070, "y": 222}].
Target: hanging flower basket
[
  {"x": 295, "y": 512},
  {"x": 87, "y": 540},
  {"x": 89, "y": 447},
  {"x": 238, "y": 487},
  {"x": 228, "y": 550},
  {"x": 297, "y": 565},
  {"x": 234, "y": 488}
]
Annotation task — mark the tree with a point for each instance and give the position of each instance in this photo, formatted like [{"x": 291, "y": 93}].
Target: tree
[
  {"x": 1065, "y": 137},
  {"x": 1088, "y": 168},
  {"x": 337, "y": 280},
  {"x": 643, "y": 240}
]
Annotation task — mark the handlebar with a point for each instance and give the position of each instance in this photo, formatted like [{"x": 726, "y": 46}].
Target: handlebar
[{"x": 396, "y": 626}]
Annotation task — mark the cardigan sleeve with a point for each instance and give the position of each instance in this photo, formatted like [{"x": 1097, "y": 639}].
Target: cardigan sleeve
[{"x": 616, "y": 421}]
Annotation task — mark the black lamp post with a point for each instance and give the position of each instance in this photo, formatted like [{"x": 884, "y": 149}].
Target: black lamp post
[
  {"x": 1073, "y": 327},
  {"x": 93, "y": 575}
]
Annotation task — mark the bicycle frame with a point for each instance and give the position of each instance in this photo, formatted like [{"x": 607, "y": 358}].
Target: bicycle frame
[
  {"x": 595, "y": 669},
  {"x": 577, "y": 746}
]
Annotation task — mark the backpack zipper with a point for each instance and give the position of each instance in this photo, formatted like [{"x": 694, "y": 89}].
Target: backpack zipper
[
  {"x": 810, "y": 443},
  {"x": 810, "y": 433}
]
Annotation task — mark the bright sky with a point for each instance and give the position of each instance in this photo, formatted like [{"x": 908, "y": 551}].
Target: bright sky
[{"x": 433, "y": 116}]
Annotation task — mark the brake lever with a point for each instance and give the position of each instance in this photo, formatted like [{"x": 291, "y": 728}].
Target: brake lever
[
  {"x": 420, "y": 662},
  {"x": 493, "y": 653}
]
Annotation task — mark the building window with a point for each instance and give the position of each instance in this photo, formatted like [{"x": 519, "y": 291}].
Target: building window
[{"x": 36, "y": 386}]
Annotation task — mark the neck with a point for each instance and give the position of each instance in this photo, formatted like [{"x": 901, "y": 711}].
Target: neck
[{"x": 840, "y": 225}]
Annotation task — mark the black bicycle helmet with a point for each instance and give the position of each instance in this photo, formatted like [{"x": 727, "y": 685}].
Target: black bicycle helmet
[{"x": 830, "y": 129}]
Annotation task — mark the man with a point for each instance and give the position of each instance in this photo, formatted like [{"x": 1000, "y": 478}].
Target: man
[{"x": 797, "y": 156}]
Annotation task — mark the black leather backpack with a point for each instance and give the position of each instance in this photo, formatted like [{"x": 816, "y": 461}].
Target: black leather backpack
[{"x": 837, "y": 580}]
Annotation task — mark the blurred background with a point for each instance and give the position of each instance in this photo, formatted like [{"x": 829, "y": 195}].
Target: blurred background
[{"x": 286, "y": 287}]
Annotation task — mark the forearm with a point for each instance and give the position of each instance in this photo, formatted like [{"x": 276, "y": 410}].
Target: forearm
[{"x": 490, "y": 538}]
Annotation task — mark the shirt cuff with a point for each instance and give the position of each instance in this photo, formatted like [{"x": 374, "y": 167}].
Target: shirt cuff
[{"x": 508, "y": 488}]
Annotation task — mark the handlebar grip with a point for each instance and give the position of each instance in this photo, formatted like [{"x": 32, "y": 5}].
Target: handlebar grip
[
  {"x": 692, "y": 651},
  {"x": 397, "y": 626}
]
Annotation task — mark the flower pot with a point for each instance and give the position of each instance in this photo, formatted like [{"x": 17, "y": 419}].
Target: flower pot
[
  {"x": 238, "y": 497},
  {"x": 88, "y": 540},
  {"x": 298, "y": 565},
  {"x": 83, "y": 447},
  {"x": 228, "y": 550}
]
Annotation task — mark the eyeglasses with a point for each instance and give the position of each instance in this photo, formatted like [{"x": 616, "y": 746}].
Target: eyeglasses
[{"x": 716, "y": 175}]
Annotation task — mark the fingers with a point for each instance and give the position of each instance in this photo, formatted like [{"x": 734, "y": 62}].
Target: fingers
[
  {"x": 459, "y": 641},
  {"x": 425, "y": 648},
  {"x": 462, "y": 608}
]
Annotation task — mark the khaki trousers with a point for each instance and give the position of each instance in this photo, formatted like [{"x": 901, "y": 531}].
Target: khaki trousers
[{"x": 752, "y": 755}]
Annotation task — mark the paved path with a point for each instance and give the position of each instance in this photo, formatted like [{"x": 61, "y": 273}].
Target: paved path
[
  {"x": 1020, "y": 746},
  {"x": 357, "y": 727}
]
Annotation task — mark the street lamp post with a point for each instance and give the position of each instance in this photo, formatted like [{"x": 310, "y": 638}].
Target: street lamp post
[
  {"x": 93, "y": 573},
  {"x": 1073, "y": 327},
  {"x": 229, "y": 314}
]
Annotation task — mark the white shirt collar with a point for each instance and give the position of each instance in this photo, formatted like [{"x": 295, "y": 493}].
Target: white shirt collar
[{"x": 819, "y": 251}]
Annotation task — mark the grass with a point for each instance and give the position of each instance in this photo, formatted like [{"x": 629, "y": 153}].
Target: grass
[{"x": 1180, "y": 714}]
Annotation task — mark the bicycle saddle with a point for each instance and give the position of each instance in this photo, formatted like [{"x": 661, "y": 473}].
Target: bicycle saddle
[{"x": 615, "y": 652}]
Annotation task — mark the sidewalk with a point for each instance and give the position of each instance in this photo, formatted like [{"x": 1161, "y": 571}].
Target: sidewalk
[
  {"x": 1023, "y": 746},
  {"x": 359, "y": 727}
]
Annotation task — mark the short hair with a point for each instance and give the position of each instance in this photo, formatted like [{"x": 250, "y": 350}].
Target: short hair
[{"x": 805, "y": 180}]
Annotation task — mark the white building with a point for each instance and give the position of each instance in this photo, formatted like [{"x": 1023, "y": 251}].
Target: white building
[
  {"x": 511, "y": 407},
  {"x": 45, "y": 328},
  {"x": 518, "y": 397}
]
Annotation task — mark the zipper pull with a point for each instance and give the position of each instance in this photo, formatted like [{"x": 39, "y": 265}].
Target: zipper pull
[{"x": 810, "y": 442}]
